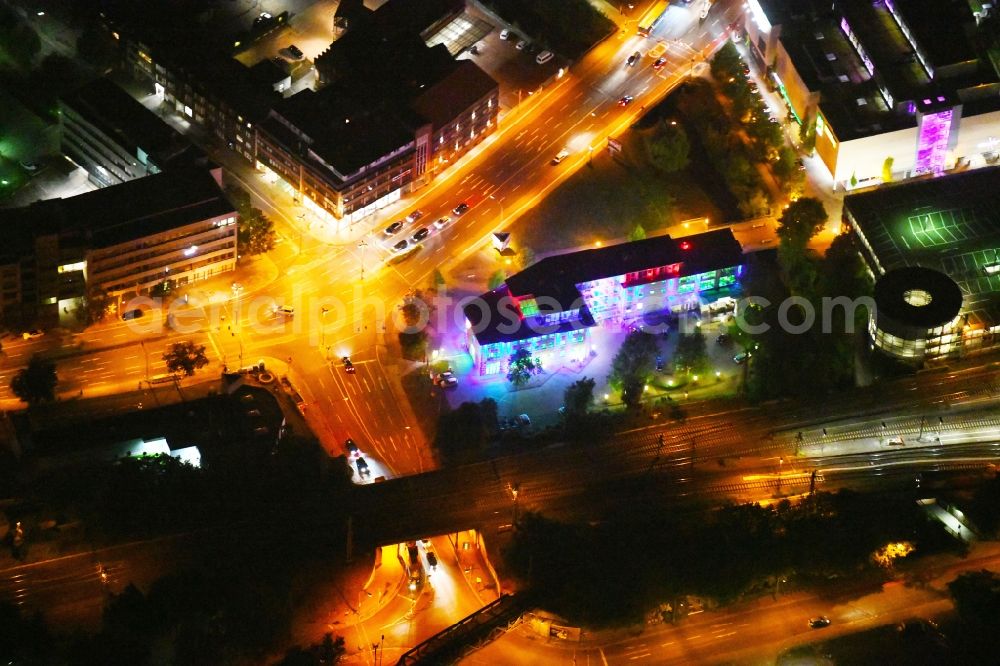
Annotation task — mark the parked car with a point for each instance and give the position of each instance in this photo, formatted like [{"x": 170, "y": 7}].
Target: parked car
[
  {"x": 632, "y": 59},
  {"x": 544, "y": 57},
  {"x": 625, "y": 100},
  {"x": 352, "y": 448},
  {"x": 292, "y": 52},
  {"x": 819, "y": 622},
  {"x": 505, "y": 34},
  {"x": 421, "y": 234},
  {"x": 432, "y": 561},
  {"x": 447, "y": 379},
  {"x": 283, "y": 311},
  {"x": 131, "y": 314},
  {"x": 33, "y": 334},
  {"x": 414, "y": 216},
  {"x": 363, "y": 469},
  {"x": 560, "y": 156},
  {"x": 441, "y": 222},
  {"x": 460, "y": 209},
  {"x": 741, "y": 358},
  {"x": 394, "y": 228},
  {"x": 348, "y": 365},
  {"x": 412, "y": 552},
  {"x": 753, "y": 87},
  {"x": 724, "y": 339},
  {"x": 521, "y": 45}
]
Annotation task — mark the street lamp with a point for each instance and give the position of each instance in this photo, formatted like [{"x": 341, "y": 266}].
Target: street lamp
[
  {"x": 237, "y": 289},
  {"x": 322, "y": 330},
  {"x": 361, "y": 246},
  {"x": 301, "y": 218},
  {"x": 501, "y": 207}
]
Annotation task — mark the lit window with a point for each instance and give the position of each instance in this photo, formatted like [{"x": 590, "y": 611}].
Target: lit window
[
  {"x": 69, "y": 268},
  {"x": 187, "y": 111}
]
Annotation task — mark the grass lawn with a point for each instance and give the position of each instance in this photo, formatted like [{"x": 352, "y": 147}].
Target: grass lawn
[{"x": 605, "y": 202}]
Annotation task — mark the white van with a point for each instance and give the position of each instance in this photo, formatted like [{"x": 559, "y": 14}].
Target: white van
[{"x": 544, "y": 57}]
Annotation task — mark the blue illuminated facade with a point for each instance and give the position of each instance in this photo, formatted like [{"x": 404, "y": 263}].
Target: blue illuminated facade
[{"x": 550, "y": 307}]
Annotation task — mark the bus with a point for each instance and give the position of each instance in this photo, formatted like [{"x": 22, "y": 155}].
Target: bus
[{"x": 652, "y": 18}]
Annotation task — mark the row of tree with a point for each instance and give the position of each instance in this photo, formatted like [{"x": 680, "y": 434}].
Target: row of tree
[
  {"x": 36, "y": 383},
  {"x": 616, "y": 571},
  {"x": 724, "y": 147}
]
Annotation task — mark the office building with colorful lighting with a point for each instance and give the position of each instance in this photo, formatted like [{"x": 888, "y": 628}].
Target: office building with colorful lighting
[
  {"x": 550, "y": 307},
  {"x": 933, "y": 246},
  {"x": 896, "y": 88}
]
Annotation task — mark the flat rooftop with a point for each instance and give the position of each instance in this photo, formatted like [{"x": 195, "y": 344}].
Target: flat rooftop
[
  {"x": 124, "y": 212},
  {"x": 950, "y": 223},
  {"x": 865, "y": 91}
]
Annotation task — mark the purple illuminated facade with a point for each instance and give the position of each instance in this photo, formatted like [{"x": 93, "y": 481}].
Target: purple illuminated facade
[{"x": 933, "y": 136}]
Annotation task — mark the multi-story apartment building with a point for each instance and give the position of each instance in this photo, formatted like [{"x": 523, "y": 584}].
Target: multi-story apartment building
[
  {"x": 117, "y": 139},
  {"x": 390, "y": 113},
  {"x": 896, "y": 87},
  {"x": 550, "y": 307},
  {"x": 167, "y": 229}
]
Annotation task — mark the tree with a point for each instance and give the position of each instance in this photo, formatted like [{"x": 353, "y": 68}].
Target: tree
[
  {"x": 95, "y": 306},
  {"x": 437, "y": 280},
  {"x": 36, "y": 382},
  {"x": 977, "y": 598},
  {"x": 802, "y": 220},
  {"x": 185, "y": 357},
  {"x": 461, "y": 434},
  {"x": 669, "y": 147},
  {"x": 578, "y": 398},
  {"x": 633, "y": 365},
  {"x": 256, "y": 233},
  {"x": 887, "y": 169},
  {"x": 522, "y": 368},
  {"x": 691, "y": 354},
  {"x": 329, "y": 651},
  {"x": 525, "y": 257},
  {"x": 96, "y": 46},
  {"x": 496, "y": 279},
  {"x": 638, "y": 233}
]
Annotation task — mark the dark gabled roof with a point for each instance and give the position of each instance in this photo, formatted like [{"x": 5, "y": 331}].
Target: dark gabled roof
[
  {"x": 556, "y": 277},
  {"x": 494, "y": 317},
  {"x": 125, "y": 212},
  {"x": 465, "y": 85}
]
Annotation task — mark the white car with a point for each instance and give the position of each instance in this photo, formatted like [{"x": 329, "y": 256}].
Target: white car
[
  {"x": 33, "y": 334},
  {"x": 505, "y": 34},
  {"x": 560, "y": 156},
  {"x": 441, "y": 222},
  {"x": 544, "y": 57},
  {"x": 447, "y": 379}
]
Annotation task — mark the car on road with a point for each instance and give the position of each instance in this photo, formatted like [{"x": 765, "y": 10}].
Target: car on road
[
  {"x": 560, "y": 156},
  {"x": 505, "y": 34},
  {"x": 741, "y": 358},
  {"x": 352, "y": 448},
  {"x": 33, "y": 334},
  {"x": 394, "y": 228},
  {"x": 400, "y": 246},
  {"x": 363, "y": 469},
  {"x": 819, "y": 622},
  {"x": 799, "y": 164},
  {"x": 745, "y": 67},
  {"x": 460, "y": 209},
  {"x": 422, "y": 233},
  {"x": 441, "y": 222},
  {"x": 414, "y": 216},
  {"x": 753, "y": 87},
  {"x": 447, "y": 379},
  {"x": 544, "y": 57},
  {"x": 348, "y": 365},
  {"x": 632, "y": 59},
  {"x": 896, "y": 441},
  {"x": 521, "y": 45},
  {"x": 625, "y": 100},
  {"x": 283, "y": 311},
  {"x": 432, "y": 561},
  {"x": 659, "y": 63},
  {"x": 131, "y": 314},
  {"x": 412, "y": 552},
  {"x": 292, "y": 52}
]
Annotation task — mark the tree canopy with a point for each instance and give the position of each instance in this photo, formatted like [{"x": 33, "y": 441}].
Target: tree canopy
[
  {"x": 522, "y": 368},
  {"x": 35, "y": 383},
  {"x": 669, "y": 147},
  {"x": 633, "y": 366},
  {"x": 185, "y": 358}
]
